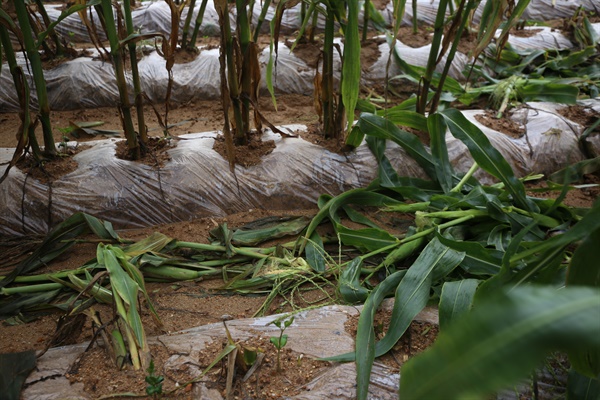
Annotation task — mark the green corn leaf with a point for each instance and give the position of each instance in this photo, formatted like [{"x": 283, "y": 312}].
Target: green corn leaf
[
  {"x": 367, "y": 239},
  {"x": 349, "y": 283},
  {"x": 412, "y": 188},
  {"x": 590, "y": 223},
  {"x": 456, "y": 300},
  {"x": 478, "y": 260},
  {"x": 14, "y": 370},
  {"x": 379, "y": 127},
  {"x": 501, "y": 340},
  {"x": 402, "y": 117},
  {"x": 581, "y": 387},
  {"x": 315, "y": 254},
  {"x": 331, "y": 207},
  {"x": 436, "y": 126},
  {"x": 553, "y": 92},
  {"x": 268, "y": 228},
  {"x": 584, "y": 270},
  {"x": 412, "y": 294},
  {"x": 127, "y": 289},
  {"x": 152, "y": 244},
  {"x": 365, "y": 337},
  {"x": 486, "y": 156},
  {"x": 15, "y": 304},
  {"x": 59, "y": 240},
  {"x": 351, "y": 65}
]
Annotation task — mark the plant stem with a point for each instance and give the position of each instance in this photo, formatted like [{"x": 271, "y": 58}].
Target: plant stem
[
  {"x": 465, "y": 178},
  {"x": 137, "y": 87},
  {"x": 119, "y": 67},
  {"x": 38, "y": 77}
]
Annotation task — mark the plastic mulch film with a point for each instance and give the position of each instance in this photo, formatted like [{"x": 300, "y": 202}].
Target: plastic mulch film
[
  {"x": 540, "y": 38},
  {"x": 197, "y": 181},
  {"x": 546, "y": 10}
]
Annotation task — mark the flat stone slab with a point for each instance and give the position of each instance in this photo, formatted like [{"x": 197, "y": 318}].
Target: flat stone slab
[{"x": 315, "y": 333}]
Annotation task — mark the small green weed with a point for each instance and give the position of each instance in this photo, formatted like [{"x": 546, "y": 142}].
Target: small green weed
[
  {"x": 154, "y": 382},
  {"x": 280, "y": 341}
]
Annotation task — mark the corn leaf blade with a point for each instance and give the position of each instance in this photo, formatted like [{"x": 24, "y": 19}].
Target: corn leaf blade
[{"x": 501, "y": 340}]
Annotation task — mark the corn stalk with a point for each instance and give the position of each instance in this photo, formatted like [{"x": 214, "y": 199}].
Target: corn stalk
[
  {"x": 239, "y": 85},
  {"x": 137, "y": 87},
  {"x": 25, "y": 135},
  {"x": 38, "y": 77},
  {"x": 116, "y": 52}
]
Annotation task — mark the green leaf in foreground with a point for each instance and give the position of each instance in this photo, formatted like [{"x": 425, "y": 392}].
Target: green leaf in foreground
[{"x": 502, "y": 340}]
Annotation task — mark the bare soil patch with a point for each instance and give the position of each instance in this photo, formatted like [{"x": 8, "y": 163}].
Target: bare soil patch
[
  {"x": 504, "y": 125},
  {"x": 584, "y": 116},
  {"x": 49, "y": 170}
]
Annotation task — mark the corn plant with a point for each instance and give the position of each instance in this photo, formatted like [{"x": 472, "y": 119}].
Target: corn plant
[
  {"x": 38, "y": 76},
  {"x": 463, "y": 232},
  {"x": 105, "y": 10},
  {"x": 336, "y": 110},
  {"x": 240, "y": 76}
]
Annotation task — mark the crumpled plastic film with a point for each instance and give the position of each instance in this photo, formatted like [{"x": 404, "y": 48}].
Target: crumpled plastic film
[
  {"x": 426, "y": 12},
  {"x": 9, "y": 101},
  {"x": 198, "y": 79},
  {"x": 414, "y": 56},
  {"x": 195, "y": 183},
  {"x": 545, "y": 10},
  {"x": 71, "y": 28},
  {"x": 82, "y": 83},
  {"x": 553, "y": 139},
  {"x": 545, "y": 38},
  {"x": 291, "y": 74}
]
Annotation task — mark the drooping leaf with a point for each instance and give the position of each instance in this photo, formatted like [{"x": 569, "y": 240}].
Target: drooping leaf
[
  {"x": 268, "y": 228},
  {"x": 349, "y": 283},
  {"x": 375, "y": 126},
  {"x": 486, "y": 156},
  {"x": 501, "y": 340},
  {"x": 60, "y": 240},
  {"x": 315, "y": 254}
]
